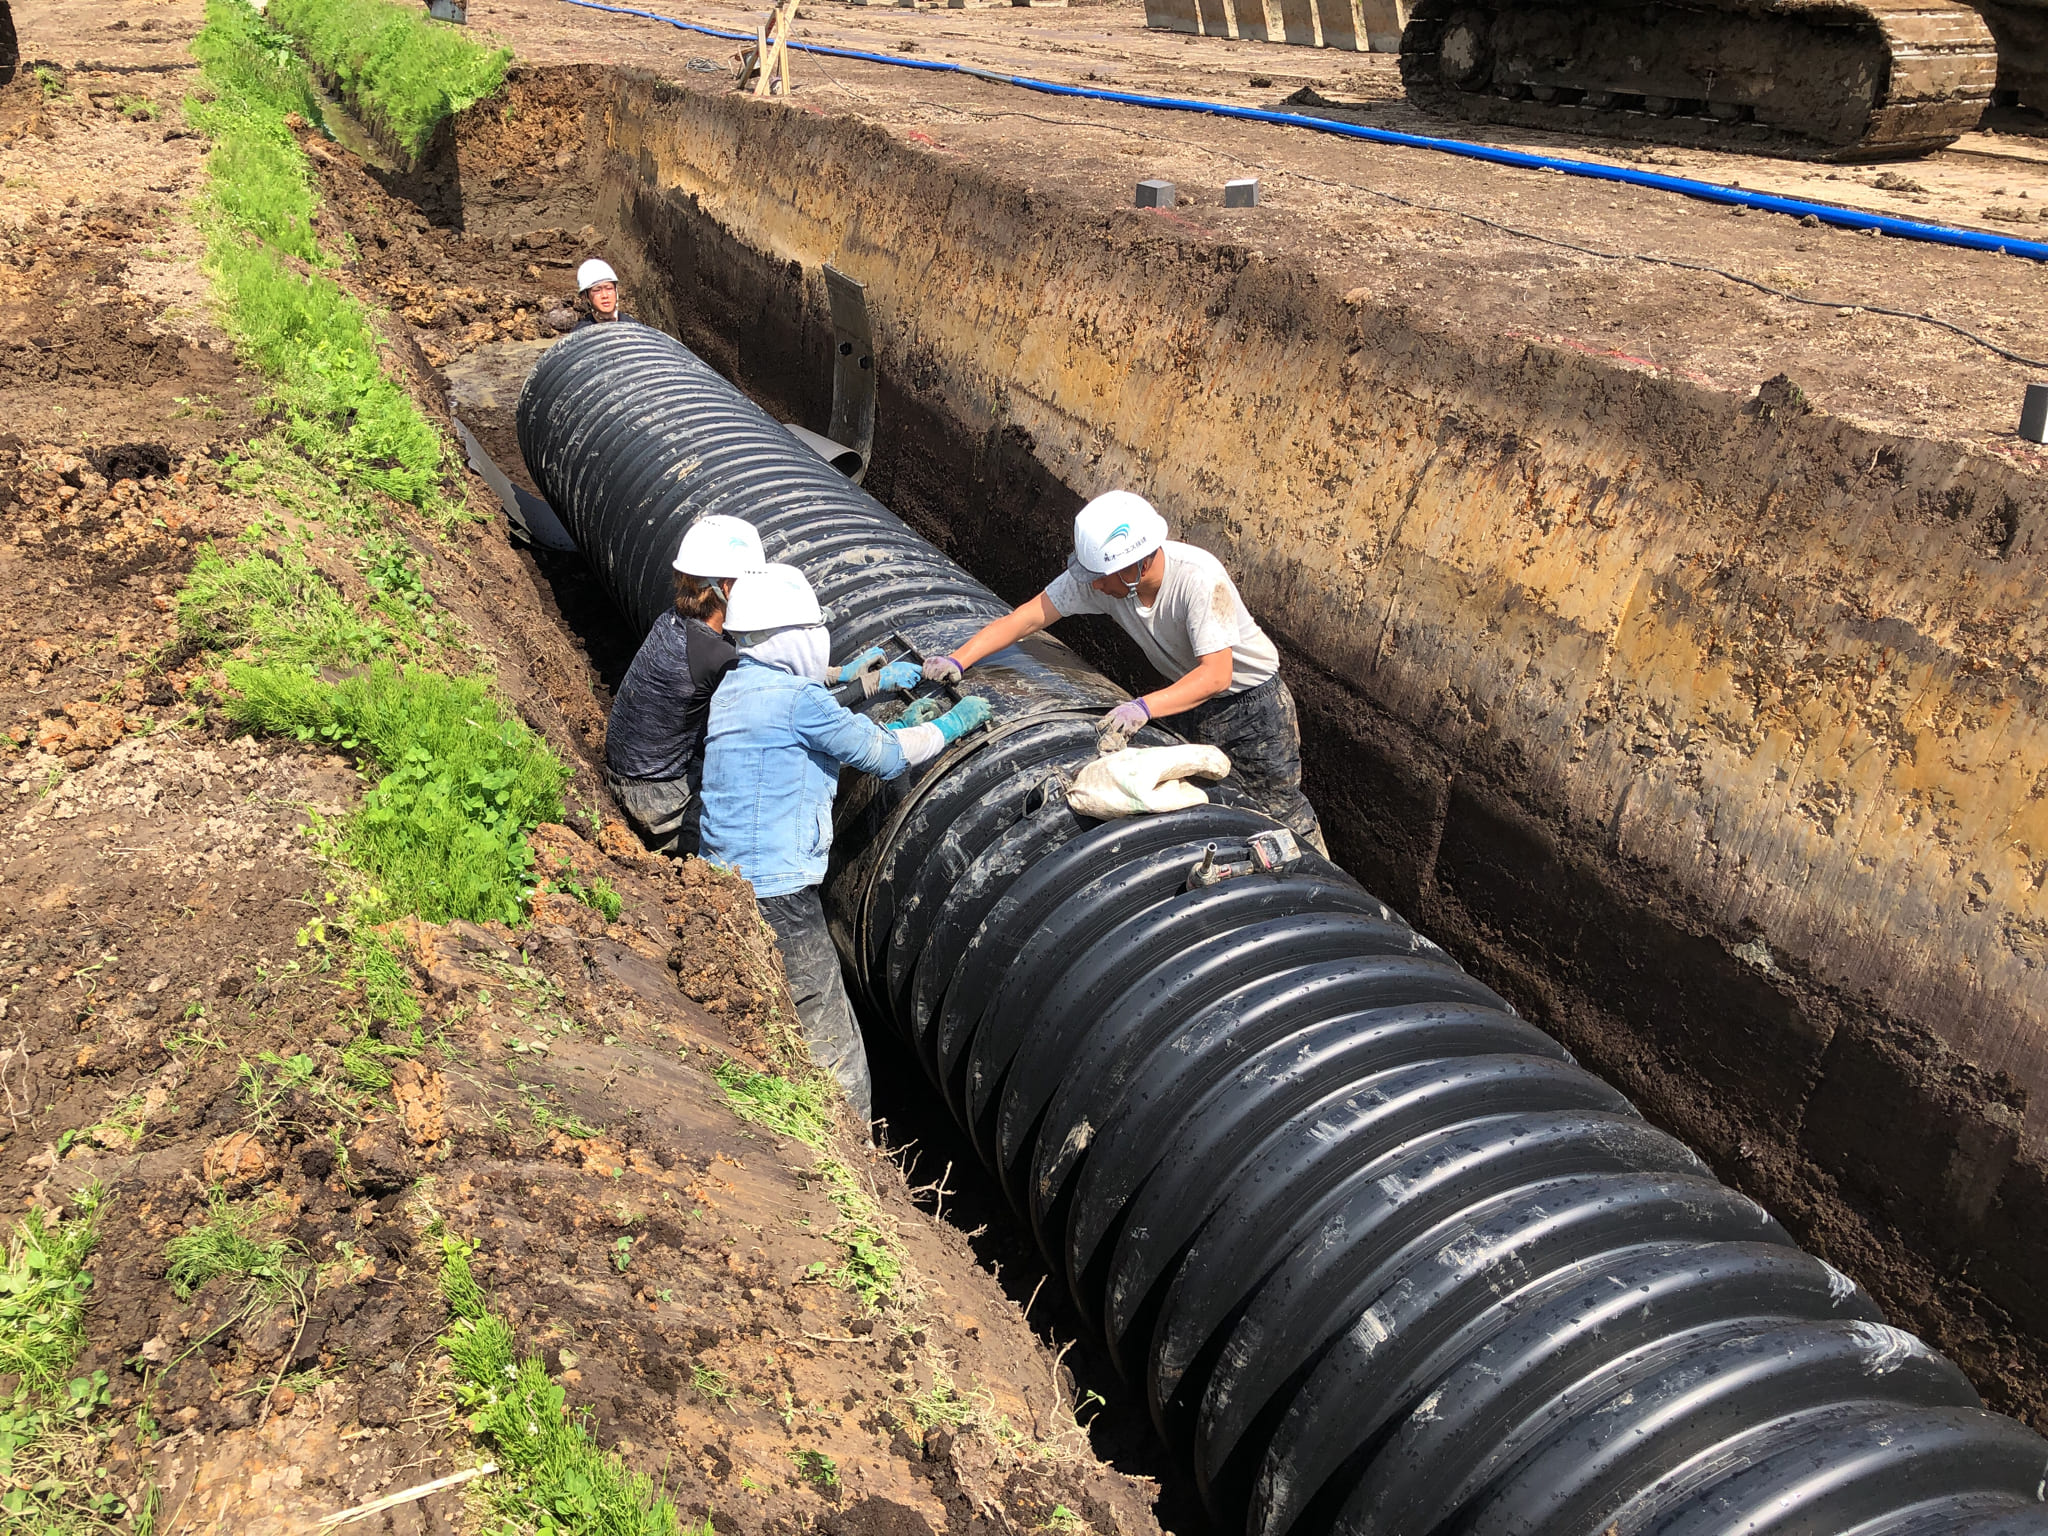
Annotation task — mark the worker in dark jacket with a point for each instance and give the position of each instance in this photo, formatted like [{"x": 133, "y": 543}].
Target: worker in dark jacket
[{"x": 654, "y": 745}]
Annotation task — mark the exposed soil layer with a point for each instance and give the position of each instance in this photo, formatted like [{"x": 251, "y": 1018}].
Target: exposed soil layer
[
  {"x": 1040, "y": 348},
  {"x": 173, "y": 1007}
]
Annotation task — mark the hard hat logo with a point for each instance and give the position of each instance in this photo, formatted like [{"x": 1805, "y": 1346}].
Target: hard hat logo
[{"x": 1115, "y": 530}]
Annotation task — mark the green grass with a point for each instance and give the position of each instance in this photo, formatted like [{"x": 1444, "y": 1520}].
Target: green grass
[
  {"x": 43, "y": 1294},
  {"x": 51, "y": 1480},
  {"x": 714, "y": 1384},
  {"x": 310, "y": 338},
  {"x": 221, "y": 1245},
  {"x": 402, "y": 72},
  {"x": 259, "y": 180},
  {"x": 818, "y": 1469},
  {"x": 553, "y": 1476},
  {"x": 871, "y": 1264},
  {"x": 279, "y": 602},
  {"x": 443, "y": 833}
]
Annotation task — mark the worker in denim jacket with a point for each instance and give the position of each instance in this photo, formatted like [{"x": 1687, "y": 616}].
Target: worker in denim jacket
[{"x": 772, "y": 757}]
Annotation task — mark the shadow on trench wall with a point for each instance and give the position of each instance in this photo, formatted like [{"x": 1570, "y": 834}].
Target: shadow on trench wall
[{"x": 1879, "y": 1148}]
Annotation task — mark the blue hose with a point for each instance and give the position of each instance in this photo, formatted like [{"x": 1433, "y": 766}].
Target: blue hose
[{"x": 1684, "y": 186}]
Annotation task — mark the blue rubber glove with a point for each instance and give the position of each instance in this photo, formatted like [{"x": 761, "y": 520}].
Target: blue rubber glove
[
  {"x": 867, "y": 659},
  {"x": 962, "y": 718},
  {"x": 923, "y": 712},
  {"x": 904, "y": 675}
]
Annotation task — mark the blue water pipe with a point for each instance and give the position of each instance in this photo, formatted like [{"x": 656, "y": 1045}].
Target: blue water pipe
[{"x": 1684, "y": 186}]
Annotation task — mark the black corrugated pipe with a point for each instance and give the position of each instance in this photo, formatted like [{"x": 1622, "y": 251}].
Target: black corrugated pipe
[{"x": 1382, "y": 1256}]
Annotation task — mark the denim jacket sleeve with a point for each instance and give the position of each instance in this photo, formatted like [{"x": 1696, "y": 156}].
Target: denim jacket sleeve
[{"x": 824, "y": 725}]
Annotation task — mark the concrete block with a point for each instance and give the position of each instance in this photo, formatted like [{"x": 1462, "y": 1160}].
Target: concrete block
[
  {"x": 1259, "y": 21},
  {"x": 1173, "y": 16},
  {"x": 1298, "y": 26},
  {"x": 1383, "y": 21},
  {"x": 1342, "y": 26},
  {"x": 1241, "y": 194},
  {"x": 1219, "y": 18},
  {"x": 2034, "y": 414},
  {"x": 449, "y": 10},
  {"x": 1155, "y": 194}
]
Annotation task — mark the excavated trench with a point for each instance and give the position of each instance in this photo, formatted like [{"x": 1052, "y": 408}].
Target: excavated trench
[{"x": 1704, "y": 730}]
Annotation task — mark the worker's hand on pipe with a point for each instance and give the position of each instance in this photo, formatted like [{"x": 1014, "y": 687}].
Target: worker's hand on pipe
[
  {"x": 962, "y": 718},
  {"x": 869, "y": 660},
  {"x": 923, "y": 712},
  {"x": 1121, "y": 724},
  {"x": 904, "y": 675},
  {"x": 942, "y": 669}
]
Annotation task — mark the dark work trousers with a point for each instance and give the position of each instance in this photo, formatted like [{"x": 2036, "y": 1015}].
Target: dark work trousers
[
  {"x": 1260, "y": 734},
  {"x": 822, "y": 1006},
  {"x": 662, "y": 811}
]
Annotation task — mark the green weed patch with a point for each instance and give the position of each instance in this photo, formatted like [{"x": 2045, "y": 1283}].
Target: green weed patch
[
  {"x": 871, "y": 1265},
  {"x": 43, "y": 1293},
  {"x": 552, "y": 1475},
  {"x": 279, "y": 602},
  {"x": 296, "y": 323},
  {"x": 443, "y": 833},
  {"x": 402, "y": 72},
  {"x": 50, "y": 1482},
  {"x": 221, "y": 1245}
]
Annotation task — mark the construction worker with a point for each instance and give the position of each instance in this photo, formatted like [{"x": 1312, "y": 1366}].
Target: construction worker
[
  {"x": 1184, "y": 611},
  {"x": 597, "y": 294},
  {"x": 771, "y": 768},
  {"x": 654, "y": 743}
]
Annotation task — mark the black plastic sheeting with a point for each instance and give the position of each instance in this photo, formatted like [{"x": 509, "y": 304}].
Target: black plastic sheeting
[{"x": 1382, "y": 1256}]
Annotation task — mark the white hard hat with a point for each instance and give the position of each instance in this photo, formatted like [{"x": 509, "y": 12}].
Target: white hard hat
[
  {"x": 593, "y": 272},
  {"x": 1116, "y": 529},
  {"x": 716, "y": 546},
  {"x": 771, "y": 597}
]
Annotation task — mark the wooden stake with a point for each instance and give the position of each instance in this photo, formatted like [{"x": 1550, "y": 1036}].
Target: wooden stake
[{"x": 392, "y": 1501}]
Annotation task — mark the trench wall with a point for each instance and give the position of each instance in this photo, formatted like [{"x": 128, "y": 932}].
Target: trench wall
[{"x": 1708, "y": 729}]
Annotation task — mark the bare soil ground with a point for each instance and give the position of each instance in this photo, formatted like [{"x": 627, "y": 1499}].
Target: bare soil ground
[
  {"x": 1427, "y": 229},
  {"x": 171, "y": 1012}
]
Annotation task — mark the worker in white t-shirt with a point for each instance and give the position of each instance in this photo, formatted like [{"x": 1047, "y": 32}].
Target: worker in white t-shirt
[{"x": 1183, "y": 609}]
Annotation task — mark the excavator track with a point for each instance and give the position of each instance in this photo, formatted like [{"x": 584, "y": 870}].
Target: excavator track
[
  {"x": 1808, "y": 79},
  {"x": 2021, "y": 27}
]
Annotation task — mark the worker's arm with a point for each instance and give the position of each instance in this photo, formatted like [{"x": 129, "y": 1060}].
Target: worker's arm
[
  {"x": 1008, "y": 630},
  {"x": 1210, "y": 677},
  {"x": 823, "y": 725}
]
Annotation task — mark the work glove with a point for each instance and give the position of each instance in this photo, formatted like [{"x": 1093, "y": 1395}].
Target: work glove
[
  {"x": 942, "y": 669},
  {"x": 902, "y": 675},
  {"x": 1121, "y": 724},
  {"x": 962, "y": 717},
  {"x": 923, "y": 712},
  {"x": 869, "y": 660}
]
